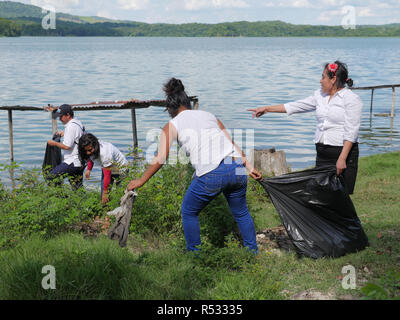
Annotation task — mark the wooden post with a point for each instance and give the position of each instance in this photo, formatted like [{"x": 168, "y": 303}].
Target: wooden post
[
  {"x": 196, "y": 104},
  {"x": 134, "y": 128},
  {"x": 269, "y": 161},
  {"x": 53, "y": 123},
  {"x": 10, "y": 134},
  {"x": 393, "y": 101},
  {"x": 372, "y": 99}
]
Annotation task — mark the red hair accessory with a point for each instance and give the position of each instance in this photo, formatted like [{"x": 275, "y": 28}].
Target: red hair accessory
[{"x": 333, "y": 68}]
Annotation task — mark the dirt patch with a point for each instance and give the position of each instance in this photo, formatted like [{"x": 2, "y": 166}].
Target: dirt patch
[
  {"x": 93, "y": 228},
  {"x": 313, "y": 294},
  {"x": 274, "y": 238}
]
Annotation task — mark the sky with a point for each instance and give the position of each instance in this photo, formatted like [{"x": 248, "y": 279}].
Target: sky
[{"x": 314, "y": 12}]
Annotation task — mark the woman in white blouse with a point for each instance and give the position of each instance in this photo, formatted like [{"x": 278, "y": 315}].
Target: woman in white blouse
[{"x": 338, "y": 112}]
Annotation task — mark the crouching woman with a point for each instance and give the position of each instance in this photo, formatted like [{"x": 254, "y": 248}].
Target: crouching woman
[
  {"x": 219, "y": 164},
  {"x": 105, "y": 154}
]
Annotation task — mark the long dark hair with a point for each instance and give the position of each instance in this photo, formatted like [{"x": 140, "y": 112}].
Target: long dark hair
[
  {"x": 176, "y": 96},
  {"x": 84, "y": 141},
  {"x": 342, "y": 75}
]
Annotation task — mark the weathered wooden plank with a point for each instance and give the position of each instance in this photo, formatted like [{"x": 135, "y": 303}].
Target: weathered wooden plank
[
  {"x": 101, "y": 105},
  {"x": 134, "y": 129},
  {"x": 10, "y": 134},
  {"x": 393, "y": 101},
  {"x": 376, "y": 87},
  {"x": 372, "y": 100}
]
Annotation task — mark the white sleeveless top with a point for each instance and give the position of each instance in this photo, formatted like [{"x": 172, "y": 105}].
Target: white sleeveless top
[{"x": 200, "y": 136}]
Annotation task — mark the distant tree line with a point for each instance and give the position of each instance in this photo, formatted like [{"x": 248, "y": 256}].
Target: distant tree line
[{"x": 33, "y": 27}]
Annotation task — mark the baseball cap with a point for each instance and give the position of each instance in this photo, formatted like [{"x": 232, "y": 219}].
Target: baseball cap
[{"x": 62, "y": 111}]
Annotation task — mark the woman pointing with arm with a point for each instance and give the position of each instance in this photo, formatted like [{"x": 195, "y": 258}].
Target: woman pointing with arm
[{"x": 338, "y": 113}]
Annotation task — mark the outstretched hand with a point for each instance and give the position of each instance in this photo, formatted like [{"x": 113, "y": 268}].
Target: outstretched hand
[
  {"x": 134, "y": 184},
  {"x": 257, "y": 112}
]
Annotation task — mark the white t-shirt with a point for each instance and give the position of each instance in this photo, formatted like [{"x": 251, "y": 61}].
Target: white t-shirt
[
  {"x": 338, "y": 119},
  {"x": 109, "y": 156},
  {"x": 200, "y": 136},
  {"x": 72, "y": 132}
]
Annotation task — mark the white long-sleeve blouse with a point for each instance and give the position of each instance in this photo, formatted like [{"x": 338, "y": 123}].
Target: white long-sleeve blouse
[{"x": 338, "y": 119}]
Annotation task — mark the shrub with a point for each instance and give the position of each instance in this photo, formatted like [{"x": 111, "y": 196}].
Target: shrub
[{"x": 35, "y": 207}]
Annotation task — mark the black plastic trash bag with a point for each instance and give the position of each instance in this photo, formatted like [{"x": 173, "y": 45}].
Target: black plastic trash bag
[
  {"x": 52, "y": 157},
  {"x": 317, "y": 213}
]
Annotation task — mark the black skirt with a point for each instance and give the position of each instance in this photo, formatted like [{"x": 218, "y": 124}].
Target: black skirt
[{"x": 328, "y": 155}]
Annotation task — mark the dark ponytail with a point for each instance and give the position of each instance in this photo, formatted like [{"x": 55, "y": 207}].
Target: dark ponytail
[
  {"x": 349, "y": 82},
  {"x": 342, "y": 75},
  {"x": 176, "y": 96}
]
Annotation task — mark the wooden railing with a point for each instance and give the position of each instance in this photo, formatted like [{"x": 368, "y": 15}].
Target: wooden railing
[
  {"x": 373, "y": 88},
  {"x": 93, "y": 106}
]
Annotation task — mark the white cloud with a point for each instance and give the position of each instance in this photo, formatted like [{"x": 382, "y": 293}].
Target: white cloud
[
  {"x": 133, "y": 4},
  {"x": 366, "y": 12},
  {"x": 204, "y": 4},
  {"x": 288, "y": 4},
  {"x": 301, "y": 4},
  {"x": 334, "y": 3},
  {"x": 327, "y": 16}
]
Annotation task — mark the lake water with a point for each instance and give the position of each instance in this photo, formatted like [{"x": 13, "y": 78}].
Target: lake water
[{"x": 229, "y": 75}]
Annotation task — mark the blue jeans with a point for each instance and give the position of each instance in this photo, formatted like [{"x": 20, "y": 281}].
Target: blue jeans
[
  {"x": 74, "y": 174},
  {"x": 203, "y": 189}
]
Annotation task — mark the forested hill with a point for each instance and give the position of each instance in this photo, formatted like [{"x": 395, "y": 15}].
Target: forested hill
[
  {"x": 9, "y": 28},
  {"x": 18, "y": 19}
]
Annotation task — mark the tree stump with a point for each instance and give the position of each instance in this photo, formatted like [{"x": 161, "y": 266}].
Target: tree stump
[{"x": 269, "y": 161}]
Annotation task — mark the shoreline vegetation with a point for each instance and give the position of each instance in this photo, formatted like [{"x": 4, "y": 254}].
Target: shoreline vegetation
[
  {"x": 17, "y": 19},
  {"x": 42, "y": 225}
]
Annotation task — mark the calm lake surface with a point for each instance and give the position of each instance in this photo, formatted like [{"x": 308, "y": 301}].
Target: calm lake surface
[{"x": 229, "y": 75}]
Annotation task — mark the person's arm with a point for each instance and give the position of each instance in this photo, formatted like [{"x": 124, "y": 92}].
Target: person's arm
[
  {"x": 89, "y": 169},
  {"x": 258, "y": 112},
  {"x": 341, "y": 162},
  {"x": 58, "y": 145},
  {"x": 168, "y": 134},
  {"x": 255, "y": 174},
  {"x": 304, "y": 105},
  {"x": 69, "y": 135},
  {"x": 352, "y": 121},
  {"x": 106, "y": 184}
]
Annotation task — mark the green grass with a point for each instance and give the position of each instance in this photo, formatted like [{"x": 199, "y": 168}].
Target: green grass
[{"x": 157, "y": 266}]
